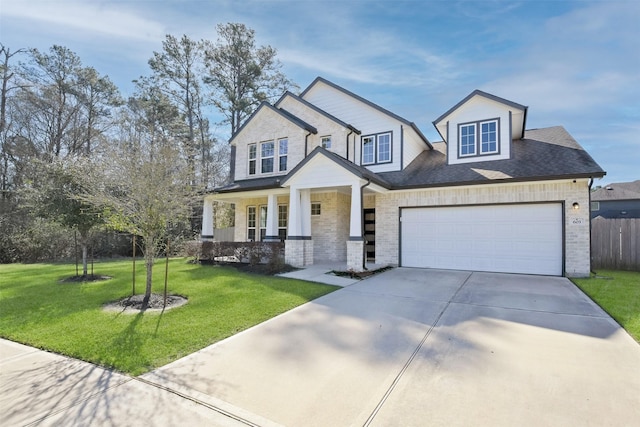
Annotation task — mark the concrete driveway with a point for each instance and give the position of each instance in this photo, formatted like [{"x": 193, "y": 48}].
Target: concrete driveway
[
  {"x": 407, "y": 347},
  {"x": 425, "y": 347}
]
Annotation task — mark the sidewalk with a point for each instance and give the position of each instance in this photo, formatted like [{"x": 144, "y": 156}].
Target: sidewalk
[{"x": 41, "y": 388}]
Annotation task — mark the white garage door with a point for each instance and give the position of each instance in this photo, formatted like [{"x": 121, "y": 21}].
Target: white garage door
[{"x": 501, "y": 238}]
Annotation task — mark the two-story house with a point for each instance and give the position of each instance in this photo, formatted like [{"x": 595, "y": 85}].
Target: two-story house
[{"x": 339, "y": 178}]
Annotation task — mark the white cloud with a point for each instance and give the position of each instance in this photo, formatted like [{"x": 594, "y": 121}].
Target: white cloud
[{"x": 85, "y": 17}]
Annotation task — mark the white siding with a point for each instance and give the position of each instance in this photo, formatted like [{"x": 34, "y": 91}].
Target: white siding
[
  {"x": 479, "y": 108},
  {"x": 367, "y": 119}
]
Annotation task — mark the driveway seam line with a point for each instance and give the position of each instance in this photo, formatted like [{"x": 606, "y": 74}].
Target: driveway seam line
[
  {"x": 198, "y": 402},
  {"x": 595, "y": 316},
  {"x": 412, "y": 357}
]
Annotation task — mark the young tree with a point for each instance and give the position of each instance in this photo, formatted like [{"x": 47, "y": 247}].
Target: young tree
[
  {"x": 240, "y": 74},
  {"x": 143, "y": 186}
]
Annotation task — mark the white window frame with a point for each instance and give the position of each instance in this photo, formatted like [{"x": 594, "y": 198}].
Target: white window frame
[
  {"x": 264, "y": 157},
  {"x": 262, "y": 222},
  {"x": 325, "y": 142},
  {"x": 473, "y": 134},
  {"x": 255, "y": 223},
  {"x": 375, "y": 140},
  {"x": 253, "y": 159},
  {"x": 283, "y": 153},
  {"x": 283, "y": 221},
  {"x": 482, "y": 133}
]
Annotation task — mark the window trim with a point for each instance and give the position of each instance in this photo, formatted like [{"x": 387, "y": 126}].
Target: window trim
[
  {"x": 376, "y": 148},
  {"x": 322, "y": 142},
  {"x": 282, "y": 229},
  {"x": 255, "y": 223},
  {"x": 318, "y": 210},
  {"x": 478, "y": 138},
  {"x": 272, "y": 157},
  {"x": 253, "y": 159},
  {"x": 595, "y": 206},
  {"x": 284, "y": 155}
]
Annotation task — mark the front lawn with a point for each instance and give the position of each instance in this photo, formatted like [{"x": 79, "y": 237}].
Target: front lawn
[
  {"x": 618, "y": 293},
  {"x": 38, "y": 310}
]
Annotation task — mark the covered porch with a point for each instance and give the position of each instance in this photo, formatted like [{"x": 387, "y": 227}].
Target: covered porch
[{"x": 318, "y": 210}]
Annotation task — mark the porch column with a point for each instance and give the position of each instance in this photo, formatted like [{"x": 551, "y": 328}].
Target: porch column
[
  {"x": 207, "y": 220},
  {"x": 355, "y": 226},
  {"x": 355, "y": 245},
  {"x": 272, "y": 219},
  {"x": 305, "y": 212},
  {"x": 298, "y": 248}
]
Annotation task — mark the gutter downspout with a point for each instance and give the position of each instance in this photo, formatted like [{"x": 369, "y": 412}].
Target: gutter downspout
[
  {"x": 349, "y": 134},
  {"x": 306, "y": 137},
  {"x": 364, "y": 246},
  {"x": 590, "y": 242}
]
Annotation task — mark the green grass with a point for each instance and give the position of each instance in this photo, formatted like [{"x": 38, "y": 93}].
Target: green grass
[
  {"x": 67, "y": 318},
  {"x": 618, "y": 293}
]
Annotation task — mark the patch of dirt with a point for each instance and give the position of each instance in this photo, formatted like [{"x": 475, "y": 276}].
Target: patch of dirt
[
  {"x": 87, "y": 278},
  {"x": 133, "y": 304}
]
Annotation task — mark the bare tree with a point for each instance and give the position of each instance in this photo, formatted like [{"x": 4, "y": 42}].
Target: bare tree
[{"x": 240, "y": 74}]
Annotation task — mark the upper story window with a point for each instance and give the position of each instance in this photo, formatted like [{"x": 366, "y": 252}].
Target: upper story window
[
  {"x": 253, "y": 153},
  {"x": 376, "y": 148},
  {"x": 326, "y": 142},
  {"x": 266, "y": 157},
  {"x": 283, "y": 151},
  {"x": 478, "y": 138}
]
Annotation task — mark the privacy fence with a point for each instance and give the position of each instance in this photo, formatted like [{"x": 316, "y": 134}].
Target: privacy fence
[{"x": 615, "y": 243}]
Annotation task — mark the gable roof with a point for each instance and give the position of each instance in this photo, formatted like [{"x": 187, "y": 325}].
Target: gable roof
[
  {"x": 370, "y": 104},
  {"x": 359, "y": 171},
  {"x": 486, "y": 95},
  {"x": 317, "y": 110},
  {"x": 618, "y": 191},
  {"x": 287, "y": 115},
  {"x": 543, "y": 154}
]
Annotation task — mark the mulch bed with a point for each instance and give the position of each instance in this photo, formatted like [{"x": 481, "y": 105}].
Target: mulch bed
[
  {"x": 133, "y": 304},
  {"x": 360, "y": 274},
  {"x": 87, "y": 278}
]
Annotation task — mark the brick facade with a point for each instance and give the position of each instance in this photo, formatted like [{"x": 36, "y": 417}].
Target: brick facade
[{"x": 576, "y": 222}]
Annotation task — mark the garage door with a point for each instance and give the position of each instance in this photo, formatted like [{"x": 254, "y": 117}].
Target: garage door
[{"x": 501, "y": 238}]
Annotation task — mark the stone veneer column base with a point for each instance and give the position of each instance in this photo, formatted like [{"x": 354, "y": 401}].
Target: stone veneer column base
[
  {"x": 298, "y": 253},
  {"x": 355, "y": 254}
]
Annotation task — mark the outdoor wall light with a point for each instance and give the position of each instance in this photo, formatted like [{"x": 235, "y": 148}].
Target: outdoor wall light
[{"x": 576, "y": 205}]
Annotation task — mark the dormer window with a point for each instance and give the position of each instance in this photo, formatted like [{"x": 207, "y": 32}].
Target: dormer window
[{"x": 478, "y": 138}]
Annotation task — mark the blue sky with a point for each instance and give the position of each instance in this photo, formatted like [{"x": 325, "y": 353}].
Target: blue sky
[{"x": 575, "y": 64}]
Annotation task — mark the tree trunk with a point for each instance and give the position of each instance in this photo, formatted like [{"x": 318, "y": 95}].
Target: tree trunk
[{"x": 148, "y": 260}]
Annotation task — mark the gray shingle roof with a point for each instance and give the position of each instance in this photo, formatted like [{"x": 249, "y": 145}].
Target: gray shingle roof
[
  {"x": 543, "y": 154},
  {"x": 549, "y": 153},
  {"x": 618, "y": 191}
]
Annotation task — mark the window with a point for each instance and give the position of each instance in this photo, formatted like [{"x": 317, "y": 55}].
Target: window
[
  {"x": 595, "y": 206},
  {"x": 479, "y": 138},
  {"x": 368, "y": 150},
  {"x": 315, "y": 208},
  {"x": 384, "y": 148},
  {"x": 468, "y": 140},
  {"x": 282, "y": 222},
  {"x": 488, "y": 137},
  {"x": 326, "y": 142},
  {"x": 266, "y": 156},
  {"x": 376, "y": 148},
  {"x": 283, "y": 150},
  {"x": 253, "y": 152},
  {"x": 251, "y": 223},
  {"x": 263, "y": 222}
]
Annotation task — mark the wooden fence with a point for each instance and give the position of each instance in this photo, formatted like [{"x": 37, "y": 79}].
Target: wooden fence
[
  {"x": 615, "y": 243},
  {"x": 223, "y": 234}
]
